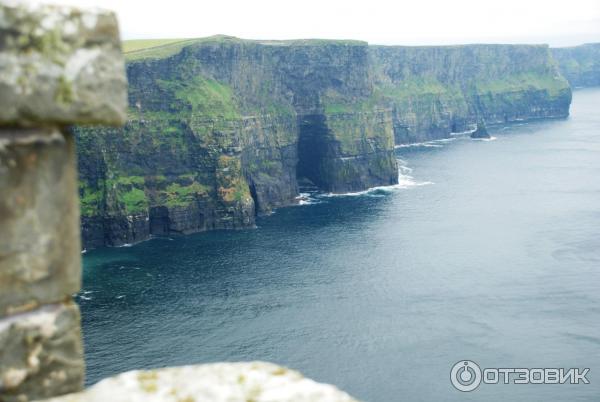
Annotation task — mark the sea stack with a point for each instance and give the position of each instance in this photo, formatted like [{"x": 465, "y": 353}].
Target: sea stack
[{"x": 480, "y": 132}]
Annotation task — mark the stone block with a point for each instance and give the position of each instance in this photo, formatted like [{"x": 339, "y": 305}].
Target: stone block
[
  {"x": 40, "y": 253},
  {"x": 60, "y": 65},
  {"x": 41, "y": 353}
]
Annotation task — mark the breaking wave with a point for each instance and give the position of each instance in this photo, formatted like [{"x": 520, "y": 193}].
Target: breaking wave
[
  {"x": 308, "y": 198},
  {"x": 405, "y": 181}
]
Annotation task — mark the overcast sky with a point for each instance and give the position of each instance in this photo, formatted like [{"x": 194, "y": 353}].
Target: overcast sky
[{"x": 402, "y": 22}]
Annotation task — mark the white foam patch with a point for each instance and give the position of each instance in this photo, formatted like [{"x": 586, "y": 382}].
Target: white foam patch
[
  {"x": 464, "y": 133},
  {"x": 444, "y": 140},
  {"x": 404, "y": 169},
  {"x": 485, "y": 139},
  {"x": 405, "y": 181},
  {"x": 308, "y": 198},
  {"x": 427, "y": 144}
]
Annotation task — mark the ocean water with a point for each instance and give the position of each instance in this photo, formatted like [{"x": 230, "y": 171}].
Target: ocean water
[{"x": 486, "y": 250}]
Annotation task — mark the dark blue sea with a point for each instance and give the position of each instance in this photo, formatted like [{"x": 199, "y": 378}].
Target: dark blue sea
[{"x": 487, "y": 250}]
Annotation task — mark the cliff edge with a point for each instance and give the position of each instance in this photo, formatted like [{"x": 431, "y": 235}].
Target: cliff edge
[{"x": 221, "y": 129}]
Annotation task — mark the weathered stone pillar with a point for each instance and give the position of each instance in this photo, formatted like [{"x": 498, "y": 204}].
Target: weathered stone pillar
[{"x": 58, "y": 66}]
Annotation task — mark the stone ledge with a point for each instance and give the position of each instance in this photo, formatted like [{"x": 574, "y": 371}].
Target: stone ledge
[
  {"x": 218, "y": 382},
  {"x": 60, "y": 65}
]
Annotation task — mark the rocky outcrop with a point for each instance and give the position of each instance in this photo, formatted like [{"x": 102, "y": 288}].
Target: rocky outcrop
[
  {"x": 220, "y": 129},
  {"x": 580, "y": 64},
  {"x": 437, "y": 90},
  {"x": 480, "y": 132},
  {"x": 219, "y": 382}
]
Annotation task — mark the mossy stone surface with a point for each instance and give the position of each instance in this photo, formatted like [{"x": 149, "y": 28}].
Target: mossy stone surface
[{"x": 60, "y": 65}]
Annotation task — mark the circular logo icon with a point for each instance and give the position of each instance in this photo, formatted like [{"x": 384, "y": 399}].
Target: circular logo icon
[{"x": 465, "y": 375}]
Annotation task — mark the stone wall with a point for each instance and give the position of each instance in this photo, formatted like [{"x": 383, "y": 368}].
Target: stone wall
[{"x": 58, "y": 67}]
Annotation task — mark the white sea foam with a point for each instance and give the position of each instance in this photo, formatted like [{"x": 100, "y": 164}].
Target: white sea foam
[
  {"x": 404, "y": 181},
  {"x": 404, "y": 169},
  {"x": 485, "y": 139},
  {"x": 310, "y": 201},
  {"x": 464, "y": 133},
  {"x": 308, "y": 198},
  {"x": 443, "y": 140},
  {"x": 427, "y": 144}
]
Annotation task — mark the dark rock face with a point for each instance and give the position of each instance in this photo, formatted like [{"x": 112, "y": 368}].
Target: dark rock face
[
  {"x": 435, "y": 91},
  {"x": 580, "y": 64},
  {"x": 480, "y": 132},
  {"x": 221, "y": 129}
]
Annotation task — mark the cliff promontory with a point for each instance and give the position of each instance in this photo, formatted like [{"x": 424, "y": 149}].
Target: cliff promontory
[{"x": 220, "y": 129}]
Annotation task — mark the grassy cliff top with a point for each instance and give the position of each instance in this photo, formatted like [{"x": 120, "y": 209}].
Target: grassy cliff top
[
  {"x": 135, "y": 45},
  {"x": 140, "y": 49},
  {"x": 582, "y": 46},
  {"x": 463, "y": 46}
]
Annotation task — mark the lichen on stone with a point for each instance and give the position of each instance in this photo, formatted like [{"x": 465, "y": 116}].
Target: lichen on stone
[
  {"x": 218, "y": 382},
  {"x": 60, "y": 65}
]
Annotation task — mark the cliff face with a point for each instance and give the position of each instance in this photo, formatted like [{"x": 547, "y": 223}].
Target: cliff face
[
  {"x": 222, "y": 128},
  {"x": 438, "y": 90},
  {"x": 580, "y": 64}
]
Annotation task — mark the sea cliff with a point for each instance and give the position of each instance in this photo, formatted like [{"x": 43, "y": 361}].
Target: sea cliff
[
  {"x": 435, "y": 91},
  {"x": 221, "y": 129},
  {"x": 580, "y": 64}
]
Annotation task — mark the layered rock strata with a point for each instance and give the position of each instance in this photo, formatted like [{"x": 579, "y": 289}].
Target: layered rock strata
[{"x": 221, "y": 129}]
